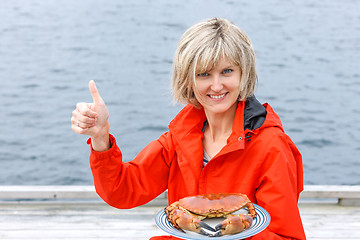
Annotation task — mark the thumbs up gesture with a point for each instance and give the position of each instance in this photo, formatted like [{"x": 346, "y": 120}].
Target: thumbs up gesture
[{"x": 92, "y": 119}]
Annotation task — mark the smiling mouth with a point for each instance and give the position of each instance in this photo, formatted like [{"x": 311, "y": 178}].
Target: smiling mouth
[{"x": 217, "y": 96}]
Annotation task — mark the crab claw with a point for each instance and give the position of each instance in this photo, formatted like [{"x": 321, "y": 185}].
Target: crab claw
[
  {"x": 184, "y": 221},
  {"x": 233, "y": 224}
]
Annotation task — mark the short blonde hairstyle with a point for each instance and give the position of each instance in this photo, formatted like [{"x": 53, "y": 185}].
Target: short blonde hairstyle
[{"x": 200, "y": 49}]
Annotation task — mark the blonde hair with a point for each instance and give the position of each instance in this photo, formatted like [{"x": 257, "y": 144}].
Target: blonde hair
[{"x": 200, "y": 49}]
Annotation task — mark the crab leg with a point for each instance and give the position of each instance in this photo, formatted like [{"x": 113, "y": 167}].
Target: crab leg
[{"x": 252, "y": 211}]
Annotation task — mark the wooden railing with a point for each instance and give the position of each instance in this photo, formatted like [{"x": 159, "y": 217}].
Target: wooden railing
[{"x": 343, "y": 194}]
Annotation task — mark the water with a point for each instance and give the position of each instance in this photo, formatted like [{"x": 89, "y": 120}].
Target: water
[{"x": 308, "y": 60}]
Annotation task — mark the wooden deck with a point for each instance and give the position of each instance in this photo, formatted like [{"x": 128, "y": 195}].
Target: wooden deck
[{"x": 75, "y": 212}]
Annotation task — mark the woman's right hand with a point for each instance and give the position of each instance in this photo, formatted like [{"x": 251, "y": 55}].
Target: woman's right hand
[{"x": 92, "y": 119}]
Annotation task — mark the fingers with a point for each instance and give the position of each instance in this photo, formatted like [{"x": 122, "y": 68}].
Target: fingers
[
  {"x": 86, "y": 109},
  {"x": 83, "y": 118},
  {"x": 94, "y": 92},
  {"x": 82, "y": 121},
  {"x": 81, "y": 127}
]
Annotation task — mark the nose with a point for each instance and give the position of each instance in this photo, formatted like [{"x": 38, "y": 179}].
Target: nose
[{"x": 216, "y": 84}]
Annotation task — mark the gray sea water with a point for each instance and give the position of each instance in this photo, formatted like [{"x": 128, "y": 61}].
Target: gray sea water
[{"x": 308, "y": 61}]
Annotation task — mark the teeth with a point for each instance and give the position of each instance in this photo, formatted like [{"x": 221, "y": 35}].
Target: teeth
[{"x": 218, "y": 96}]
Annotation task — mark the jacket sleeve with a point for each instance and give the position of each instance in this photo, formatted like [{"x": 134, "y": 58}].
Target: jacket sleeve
[
  {"x": 130, "y": 184},
  {"x": 281, "y": 182}
]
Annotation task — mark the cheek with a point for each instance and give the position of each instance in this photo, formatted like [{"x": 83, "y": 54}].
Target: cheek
[
  {"x": 235, "y": 86},
  {"x": 200, "y": 88},
  {"x": 198, "y": 95}
]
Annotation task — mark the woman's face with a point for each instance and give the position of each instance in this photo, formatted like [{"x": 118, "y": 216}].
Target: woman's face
[{"x": 217, "y": 90}]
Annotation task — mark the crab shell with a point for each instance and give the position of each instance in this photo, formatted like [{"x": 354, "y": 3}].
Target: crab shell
[
  {"x": 216, "y": 205},
  {"x": 188, "y": 213}
]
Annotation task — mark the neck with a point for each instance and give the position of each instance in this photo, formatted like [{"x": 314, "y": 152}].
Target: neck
[{"x": 220, "y": 125}]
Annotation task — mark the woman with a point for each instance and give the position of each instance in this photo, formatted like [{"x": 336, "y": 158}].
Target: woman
[{"x": 222, "y": 141}]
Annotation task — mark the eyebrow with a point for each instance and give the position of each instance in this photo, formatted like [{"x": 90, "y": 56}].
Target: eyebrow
[
  {"x": 210, "y": 69},
  {"x": 228, "y": 67}
]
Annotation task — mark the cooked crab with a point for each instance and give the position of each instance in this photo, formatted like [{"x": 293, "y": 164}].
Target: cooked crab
[{"x": 188, "y": 213}]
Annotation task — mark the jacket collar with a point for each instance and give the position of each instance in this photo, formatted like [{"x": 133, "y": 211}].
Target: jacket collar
[
  {"x": 272, "y": 119},
  {"x": 186, "y": 131},
  {"x": 190, "y": 122}
]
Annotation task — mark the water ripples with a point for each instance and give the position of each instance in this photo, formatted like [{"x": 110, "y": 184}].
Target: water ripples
[{"x": 307, "y": 56}]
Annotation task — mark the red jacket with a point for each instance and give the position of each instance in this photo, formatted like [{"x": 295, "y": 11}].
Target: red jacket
[{"x": 263, "y": 163}]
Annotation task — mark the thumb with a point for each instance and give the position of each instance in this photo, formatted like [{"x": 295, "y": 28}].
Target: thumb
[{"x": 94, "y": 92}]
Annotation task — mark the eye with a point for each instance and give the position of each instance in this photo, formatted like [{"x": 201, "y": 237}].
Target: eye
[
  {"x": 205, "y": 74},
  {"x": 227, "y": 71}
]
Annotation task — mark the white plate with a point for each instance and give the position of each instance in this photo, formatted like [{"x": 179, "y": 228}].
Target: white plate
[{"x": 261, "y": 221}]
